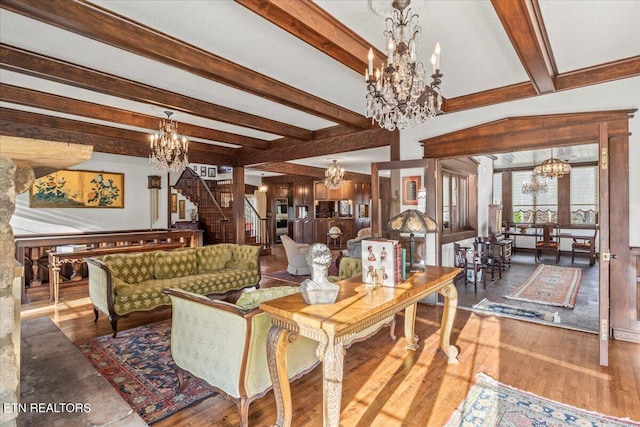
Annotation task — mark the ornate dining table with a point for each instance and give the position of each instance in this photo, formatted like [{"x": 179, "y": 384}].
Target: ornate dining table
[{"x": 357, "y": 308}]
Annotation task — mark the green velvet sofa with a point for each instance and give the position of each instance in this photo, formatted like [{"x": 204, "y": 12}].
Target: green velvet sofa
[{"x": 121, "y": 284}]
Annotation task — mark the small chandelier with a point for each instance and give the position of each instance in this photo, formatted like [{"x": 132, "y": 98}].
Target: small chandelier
[
  {"x": 534, "y": 186},
  {"x": 334, "y": 176},
  {"x": 168, "y": 149},
  {"x": 262, "y": 188},
  {"x": 552, "y": 168},
  {"x": 399, "y": 95}
]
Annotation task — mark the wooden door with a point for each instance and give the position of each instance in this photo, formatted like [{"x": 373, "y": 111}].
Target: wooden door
[{"x": 604, "y": 316}]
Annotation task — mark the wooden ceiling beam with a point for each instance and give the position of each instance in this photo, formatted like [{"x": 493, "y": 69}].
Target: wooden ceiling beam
[
  {"x": 526, "y": 31},
  {"x": 61, "y": 104},
  {"x": 511, "y": 125},
  {"x": 107, "y": 27},
  {"x": 583, "y": 133},
  {"x": 105, "y": 139},
  {"x": 333, "y": 145},
  {"x": 616, "y": 70},
  {"x": 313, "y": 25},
  {"x": 41, "y": 66},
  {"x": 311, "y": 172}
]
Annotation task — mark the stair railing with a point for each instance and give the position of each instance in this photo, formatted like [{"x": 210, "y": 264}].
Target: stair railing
[{"x": 256, "y": 225}]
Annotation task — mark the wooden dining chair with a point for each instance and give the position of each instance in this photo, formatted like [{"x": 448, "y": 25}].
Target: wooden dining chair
[
  {"x": 470, "y": 260},
  {"x": 548, "y": 240},
  {"x": 585, "y": 245}
]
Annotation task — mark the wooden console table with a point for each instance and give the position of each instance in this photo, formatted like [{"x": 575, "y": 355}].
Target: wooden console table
[{"x": 356, "y": 309}]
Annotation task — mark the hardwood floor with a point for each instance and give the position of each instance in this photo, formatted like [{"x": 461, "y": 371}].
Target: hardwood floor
[{"x": 386, "y": 385}]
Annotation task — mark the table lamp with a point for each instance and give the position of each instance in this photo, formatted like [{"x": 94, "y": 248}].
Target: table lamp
[{"x": 412, "y": 221}]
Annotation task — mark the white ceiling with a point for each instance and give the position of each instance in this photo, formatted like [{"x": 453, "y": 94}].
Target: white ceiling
[{"x": 476, "y": 56}]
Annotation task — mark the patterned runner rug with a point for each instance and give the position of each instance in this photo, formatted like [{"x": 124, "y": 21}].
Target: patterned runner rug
[
  {"x": 516, "y": 312},
  {"x": 550, "y": 285},
  {"x": 493, "y": 404},
  {"x": 139, "y": 366}
]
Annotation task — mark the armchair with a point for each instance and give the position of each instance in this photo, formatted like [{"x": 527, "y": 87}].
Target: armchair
[
  {"x": 296, "y": 256},
  {"x": 585, "y": 245},
  {"x": 225, "y": 345}
]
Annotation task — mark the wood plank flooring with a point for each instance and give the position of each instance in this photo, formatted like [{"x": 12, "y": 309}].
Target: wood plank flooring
[{"x": 386, "y": 385}]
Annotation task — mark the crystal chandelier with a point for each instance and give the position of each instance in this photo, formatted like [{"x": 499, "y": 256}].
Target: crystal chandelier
[
  {"x": 168, "y": 149},
  {"x": 262, "y": 188},
  {"x": 334, "y": 176},
  {"x": 552, "y": 168},
  {"x": 399, "y": 95},
  {"x": 534, "y": 186}
]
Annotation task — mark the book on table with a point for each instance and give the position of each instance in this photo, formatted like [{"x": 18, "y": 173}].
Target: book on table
[
  {"x": 71, "y": 248},
  {"x": 384, "y": 257}
]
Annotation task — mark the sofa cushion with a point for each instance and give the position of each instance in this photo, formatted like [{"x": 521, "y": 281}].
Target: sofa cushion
[
  {"x": 131, "y": 268},
  {"x": 241, "y": 265},
  {"x": 252, "y": 299},
  {"x": 212, "y": 257},
  {"x": 169, "y": 264}
]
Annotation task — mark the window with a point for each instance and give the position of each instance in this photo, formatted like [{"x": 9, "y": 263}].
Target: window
[
  {"x": 497, "y": 188},
  {"x": 454, "y": 202},
  {"x": 529, "y": 208},
  {"x": 584, "y": 195}
]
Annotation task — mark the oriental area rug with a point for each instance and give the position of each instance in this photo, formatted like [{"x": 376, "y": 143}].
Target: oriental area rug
[
  {"x": 490, "y": 403},
  {"x": 138, "y": 364},
  {"x": 550, "y": 285},
  {"x": 508, "y": 310}
]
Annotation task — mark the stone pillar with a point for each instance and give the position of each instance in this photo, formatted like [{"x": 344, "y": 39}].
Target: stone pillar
[{"x": 12, "y": 180}]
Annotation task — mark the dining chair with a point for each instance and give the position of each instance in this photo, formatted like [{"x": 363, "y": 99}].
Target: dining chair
[
  {"x": 585, "y": 245},
  {"x": 470, "y": 260},
  {"x": 548, "y": 240}
]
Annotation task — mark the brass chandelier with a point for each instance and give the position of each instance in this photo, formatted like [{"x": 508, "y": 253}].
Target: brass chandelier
[
  {"x": 398, "y": 94},
  {"x": 552, "y": 168},
  {"x": 334, "y": 176},
  {"x": 168, "y": 149}
]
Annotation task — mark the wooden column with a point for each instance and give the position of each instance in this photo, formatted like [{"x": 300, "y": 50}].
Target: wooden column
[{"x": 238, "y": 204}]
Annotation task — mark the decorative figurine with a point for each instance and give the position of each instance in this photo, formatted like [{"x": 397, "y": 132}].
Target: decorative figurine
[{"x": 318, "y": 289}]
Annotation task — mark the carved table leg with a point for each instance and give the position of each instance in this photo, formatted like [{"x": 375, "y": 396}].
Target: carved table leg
[
  {"x": 332, "y": 372},
  {"x": 277, "y": 342},
  {"x": 450, "y": 295},
  {"x": 54, "y": 283},
  {"x": 409, "y": 327}
]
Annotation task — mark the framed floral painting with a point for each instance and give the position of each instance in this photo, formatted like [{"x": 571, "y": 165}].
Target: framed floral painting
[{"x": 78, "y": 189}]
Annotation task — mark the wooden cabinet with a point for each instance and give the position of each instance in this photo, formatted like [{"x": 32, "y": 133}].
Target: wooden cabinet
[
  {"x": 348, "y": 190},
  {"x": 362, "y": 193},
  {"x": 303, "y": 193},
  {"x": 303, "y": 230},
  {"x": 321, "y": 191}
]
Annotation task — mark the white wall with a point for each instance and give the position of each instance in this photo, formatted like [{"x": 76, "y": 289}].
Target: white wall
[
  {"x": 135, "y": 214},
  {"x": 485, "y": 193}
]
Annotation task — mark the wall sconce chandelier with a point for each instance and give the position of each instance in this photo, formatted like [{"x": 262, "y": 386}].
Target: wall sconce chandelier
[
  {"x": 334, "y": 175},
  {"x": 552, "y": 168},
  {"x": 534, "y": 186},
  {"x": 398, "y": 94},
  {"x": 168, "y": 149}
]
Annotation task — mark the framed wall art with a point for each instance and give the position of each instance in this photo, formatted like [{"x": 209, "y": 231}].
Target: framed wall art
[
  {"x": 203, "y": 171},
  {"x": 78, "y": 189},
  {"x": 212, "y": 172},
  {"x": 181, "y": 209},
  {"x": 410, "y": 187},
  {"x": 174, "y": 203}
]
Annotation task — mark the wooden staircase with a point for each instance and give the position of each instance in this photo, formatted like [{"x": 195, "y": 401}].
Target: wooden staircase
[{"x": 214, "y": 200}]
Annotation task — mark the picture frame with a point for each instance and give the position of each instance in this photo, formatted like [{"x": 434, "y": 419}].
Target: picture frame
[
  {"x": 195, "y": 168},
  {"x": 181, "y": 209},
  {"x": 410, "y": 189},
  {"x": 78, "y": 189},
  {"x": 212, "y": 172},
  {"x": 174, "y": 203},
  {"x": 203, "y": 171}
]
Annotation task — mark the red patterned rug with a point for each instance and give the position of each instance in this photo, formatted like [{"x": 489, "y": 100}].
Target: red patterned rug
[
  {"x": 139, "y": 366},
  {"x": 550, "y": 285}
]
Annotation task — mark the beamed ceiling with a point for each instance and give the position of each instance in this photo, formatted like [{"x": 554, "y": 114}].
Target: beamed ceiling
[{"x": 276, "y": 85}]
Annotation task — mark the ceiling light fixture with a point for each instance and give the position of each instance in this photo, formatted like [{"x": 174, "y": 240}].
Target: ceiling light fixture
[
  {"x": 534, "y": 186},
  {"x": 262, "y": 188},
  {"x": 168, "y": 149},
  {"x": 334, "y": 175},
  {"x": 552, "y": 168},
  {"x": 399, "y": 95}
]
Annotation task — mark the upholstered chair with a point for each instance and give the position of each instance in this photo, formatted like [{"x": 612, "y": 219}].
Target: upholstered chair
[
  {"x": 349, "y": 267},
  {"x": 296, "y": 256},
  {"x": 225, "y": 344}
]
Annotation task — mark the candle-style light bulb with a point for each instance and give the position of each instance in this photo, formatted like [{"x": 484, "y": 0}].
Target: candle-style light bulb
[
  {"x": 437, "y": 52},
  {"x": 391, "y": 47},
  {"x": 433, "y": 63},
  {"x": 370, "y": 57}
]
